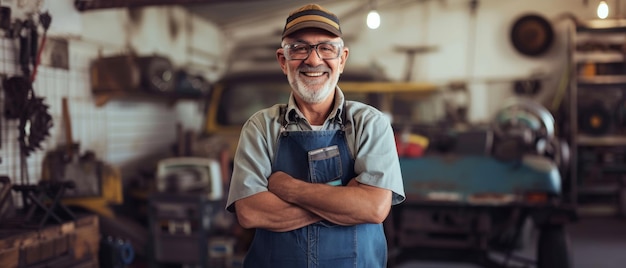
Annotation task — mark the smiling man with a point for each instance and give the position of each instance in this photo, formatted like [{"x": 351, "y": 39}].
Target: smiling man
[{"x": 315, "y": 177}]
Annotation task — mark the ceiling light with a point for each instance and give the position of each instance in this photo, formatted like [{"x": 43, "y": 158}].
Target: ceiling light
[
  {"x": 603, "y": 10},
  {"x": 373, "y": 19}
]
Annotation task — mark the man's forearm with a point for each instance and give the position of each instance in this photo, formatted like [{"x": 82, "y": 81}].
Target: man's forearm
[
  {"x": 348, "y": 205},
  {"x": 265, "y": 210}
]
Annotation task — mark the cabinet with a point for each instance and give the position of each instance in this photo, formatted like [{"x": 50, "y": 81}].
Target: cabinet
[{"x": 598, "y": 117}]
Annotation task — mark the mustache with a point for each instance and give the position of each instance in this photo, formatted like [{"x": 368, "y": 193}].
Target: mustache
[{"x": 310, "y": 69}]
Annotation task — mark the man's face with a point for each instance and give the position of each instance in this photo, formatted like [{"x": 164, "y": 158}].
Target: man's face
[{"x": 313, "y": 79}]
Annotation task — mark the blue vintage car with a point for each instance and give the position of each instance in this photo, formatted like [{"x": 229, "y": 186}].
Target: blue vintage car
[{"x": 480, "y": 194}]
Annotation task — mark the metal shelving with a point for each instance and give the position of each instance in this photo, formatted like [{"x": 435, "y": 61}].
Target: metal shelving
[
  {"x": 598, "y": 169},
  {"x": 609, "y": 140}
]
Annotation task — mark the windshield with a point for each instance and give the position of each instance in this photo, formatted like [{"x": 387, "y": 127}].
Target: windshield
[
  {"x": 243, "y": 96},
  {"x": 241, "y": 100}
]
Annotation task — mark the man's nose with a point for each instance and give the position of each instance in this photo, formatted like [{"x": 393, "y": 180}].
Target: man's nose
[{"x": 314, "y": 59}]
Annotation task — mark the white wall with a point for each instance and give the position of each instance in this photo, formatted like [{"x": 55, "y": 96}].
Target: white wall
[
  {"x": 129, "y": 134},
  {"x": 124, "y": 133},
  {"x": 448, "y": 26}
]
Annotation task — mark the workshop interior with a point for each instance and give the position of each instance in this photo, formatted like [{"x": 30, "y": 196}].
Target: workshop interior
[{"x": 120, "y": 119}]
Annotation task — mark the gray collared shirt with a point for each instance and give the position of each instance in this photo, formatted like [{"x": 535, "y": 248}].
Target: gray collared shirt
[{"x": 368, "y": 131}]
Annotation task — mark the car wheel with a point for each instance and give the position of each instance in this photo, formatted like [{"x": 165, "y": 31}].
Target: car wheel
[{"x": 553, "y": 248}]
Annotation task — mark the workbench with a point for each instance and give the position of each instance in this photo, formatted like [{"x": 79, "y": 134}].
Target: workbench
[{"x": 69, "y": 244}]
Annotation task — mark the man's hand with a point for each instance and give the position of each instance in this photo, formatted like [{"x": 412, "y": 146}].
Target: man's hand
[
  {"x": 284, "y": 186},
  {"x": 265, "y": 210}
]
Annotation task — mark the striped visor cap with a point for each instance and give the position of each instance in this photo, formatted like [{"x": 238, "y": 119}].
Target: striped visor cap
[{"x": 312, "y": 16}]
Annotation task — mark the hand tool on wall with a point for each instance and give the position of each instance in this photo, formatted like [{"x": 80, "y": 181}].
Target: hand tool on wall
[
  {"x": 20, "y": 102},
  {"x": 85, "y": 171},
  {"x": 45, "y": 19},
  {"x": 27, "y": 35},
  {"x": 29, "y": 49},
  {"x": 67, "y": 126}
]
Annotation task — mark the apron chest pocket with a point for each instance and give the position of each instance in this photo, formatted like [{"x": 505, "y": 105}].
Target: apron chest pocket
[{"x": 325, "y": 165}]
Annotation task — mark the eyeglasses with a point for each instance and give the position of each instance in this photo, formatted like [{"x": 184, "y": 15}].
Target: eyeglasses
[{"x": 301, "y": 51}]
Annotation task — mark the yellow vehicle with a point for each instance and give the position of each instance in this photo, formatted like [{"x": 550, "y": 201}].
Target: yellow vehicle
[{"x": 237, "y": 96}]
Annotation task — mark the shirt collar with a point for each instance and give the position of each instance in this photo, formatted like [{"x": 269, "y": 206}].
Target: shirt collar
[{"x": 293, "y": 112}]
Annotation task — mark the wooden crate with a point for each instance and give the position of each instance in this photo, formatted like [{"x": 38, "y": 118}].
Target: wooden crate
[{"x": 71, "y": 244}]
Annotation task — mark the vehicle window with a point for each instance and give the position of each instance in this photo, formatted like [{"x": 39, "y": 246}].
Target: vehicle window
[{"x": 241, "y": 100}]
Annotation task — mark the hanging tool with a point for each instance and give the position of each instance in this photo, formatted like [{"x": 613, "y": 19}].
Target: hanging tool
[
  {"x": 84, "y": 171},
  {"x": 35, "y": 125},
  {"x": 45, "y": 19},
  {"x": 35, "y": 122},
  {"x": 30, "y": 49},
  {"x": 27, "y": 34},
  {"x": 67, "y": 124}
]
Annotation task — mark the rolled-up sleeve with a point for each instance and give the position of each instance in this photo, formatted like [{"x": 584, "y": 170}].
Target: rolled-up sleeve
[
  {"x": 376, "y": 161},
  {"x": 252, "y": 161}
]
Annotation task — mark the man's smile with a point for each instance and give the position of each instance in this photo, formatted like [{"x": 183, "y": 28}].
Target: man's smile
[{"x": 315, "y": 74}]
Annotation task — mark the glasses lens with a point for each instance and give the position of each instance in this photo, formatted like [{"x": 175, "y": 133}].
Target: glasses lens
[
  {"x": 300, "y": 51},
  {"x": 297, "y": 51},
  {"x": 328, "y": 51}
]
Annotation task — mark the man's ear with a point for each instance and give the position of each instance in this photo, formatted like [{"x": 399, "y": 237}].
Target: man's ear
[
  {"x": 344, "y": 59},
  {"x": 280, "y": 56}
]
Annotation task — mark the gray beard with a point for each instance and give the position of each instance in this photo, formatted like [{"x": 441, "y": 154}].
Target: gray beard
[{"x": 313, "y": 96}]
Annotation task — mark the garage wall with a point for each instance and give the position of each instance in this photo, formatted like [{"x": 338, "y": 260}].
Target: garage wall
[
  {"x": 131, "y": 134},
  {"x": 125, "y": 133},
  {"x": 471, "y": 48}
]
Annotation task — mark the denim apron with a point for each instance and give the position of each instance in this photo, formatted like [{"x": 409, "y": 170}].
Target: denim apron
[{"x": 317, "y": 157}]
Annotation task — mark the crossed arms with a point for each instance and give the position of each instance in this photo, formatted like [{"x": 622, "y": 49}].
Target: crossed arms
[{"x": 291, "y": 203}]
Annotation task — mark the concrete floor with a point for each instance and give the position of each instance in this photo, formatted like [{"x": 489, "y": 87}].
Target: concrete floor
[{"x": 598, "y": 242}]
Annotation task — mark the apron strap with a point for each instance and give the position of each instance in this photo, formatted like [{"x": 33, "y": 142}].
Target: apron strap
[
  {"x": 281, "y": 115},
  {"x": 344, "y": 116}
]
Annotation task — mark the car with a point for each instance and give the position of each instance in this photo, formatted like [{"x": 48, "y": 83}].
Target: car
[{"x": 479, "y": 194}]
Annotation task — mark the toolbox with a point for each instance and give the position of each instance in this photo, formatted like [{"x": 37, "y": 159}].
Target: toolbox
[{"x": 179, "y": 226}]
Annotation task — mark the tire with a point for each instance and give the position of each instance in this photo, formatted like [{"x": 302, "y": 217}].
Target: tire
[
  {"x": 622, "y": 200},
  {"x": 553, "y": 248}
]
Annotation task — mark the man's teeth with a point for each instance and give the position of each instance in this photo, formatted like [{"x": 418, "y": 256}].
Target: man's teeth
[{"x": 314, "y": 74}]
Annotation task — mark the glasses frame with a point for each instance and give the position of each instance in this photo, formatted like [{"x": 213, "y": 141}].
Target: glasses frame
[{"x": 314, "y": 47}]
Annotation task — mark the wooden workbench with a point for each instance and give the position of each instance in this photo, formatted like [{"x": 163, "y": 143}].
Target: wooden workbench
[{"x": 70, "y": 244}]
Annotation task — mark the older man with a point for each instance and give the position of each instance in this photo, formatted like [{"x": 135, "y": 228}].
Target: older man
[{"x": 317, "y": 176}]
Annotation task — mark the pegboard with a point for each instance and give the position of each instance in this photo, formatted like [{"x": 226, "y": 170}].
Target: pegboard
[{"x": 121, "y": 133}]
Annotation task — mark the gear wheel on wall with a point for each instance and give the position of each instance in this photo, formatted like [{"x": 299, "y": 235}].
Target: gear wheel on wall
[{"x": 35, "y": 125}]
